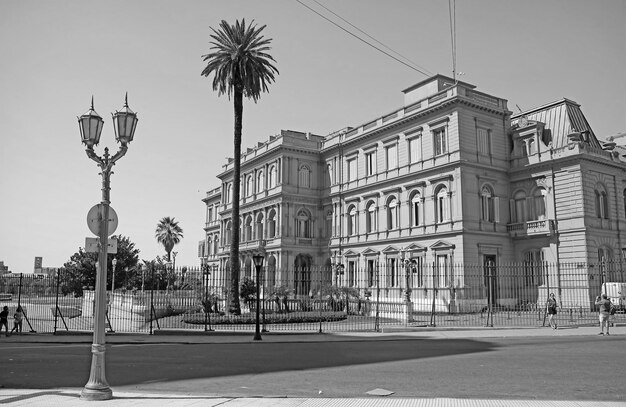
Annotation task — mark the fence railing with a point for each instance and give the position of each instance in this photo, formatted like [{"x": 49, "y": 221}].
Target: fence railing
[{"x": 328, "y": 299}]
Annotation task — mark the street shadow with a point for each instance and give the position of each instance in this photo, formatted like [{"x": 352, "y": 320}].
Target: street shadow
[
  {"x": 151, "y": 363},
  {"x": 29, "y": 396}
]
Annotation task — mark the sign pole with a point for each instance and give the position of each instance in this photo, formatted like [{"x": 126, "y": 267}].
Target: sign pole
[{"x": 97, "y": 387}]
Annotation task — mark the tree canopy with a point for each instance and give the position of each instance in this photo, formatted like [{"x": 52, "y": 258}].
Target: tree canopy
[
  {"x": 80, "y": 271},
  {"x": 169, "y": 233}
]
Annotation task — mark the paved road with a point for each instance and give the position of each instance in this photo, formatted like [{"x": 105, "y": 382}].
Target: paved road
[{"x": 571, "y": 367}]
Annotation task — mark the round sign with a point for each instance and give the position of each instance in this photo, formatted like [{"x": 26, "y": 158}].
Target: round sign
[{"x": 94, "y": 219}]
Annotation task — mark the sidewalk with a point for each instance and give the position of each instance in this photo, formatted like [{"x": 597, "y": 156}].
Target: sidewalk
[
  {"x": 199, "y": 337},
  {"x": 70, "y": 397}
]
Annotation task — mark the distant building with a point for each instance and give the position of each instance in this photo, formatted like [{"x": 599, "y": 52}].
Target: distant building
[
  {"x": 3, "y": 269},
  {"x": 452, "y": 177}
]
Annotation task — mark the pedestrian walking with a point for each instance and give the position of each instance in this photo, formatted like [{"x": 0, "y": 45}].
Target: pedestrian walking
[
  {"x": 604, "y": 312},
  {"x": 17, "y": 320},
  {"x": 551, "y": 310},
  {"x": 4, "y": 320}
]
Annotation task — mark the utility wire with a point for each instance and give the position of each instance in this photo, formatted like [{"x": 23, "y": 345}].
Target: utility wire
[
  {"x": 362, "y": 40},
  {"x": 369, "y": 36}
]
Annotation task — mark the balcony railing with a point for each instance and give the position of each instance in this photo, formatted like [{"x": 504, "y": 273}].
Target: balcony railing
[{"x": 543, "y": 227}]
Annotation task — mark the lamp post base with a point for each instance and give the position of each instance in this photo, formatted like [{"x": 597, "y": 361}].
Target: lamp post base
[
  {"x": 96, "y": 393},
  {"x": 408, "y": 312},
  {"x": 97, "y": 387}
]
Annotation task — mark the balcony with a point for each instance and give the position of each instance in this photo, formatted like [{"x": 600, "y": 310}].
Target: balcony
[{"x": 544, "y": 227}]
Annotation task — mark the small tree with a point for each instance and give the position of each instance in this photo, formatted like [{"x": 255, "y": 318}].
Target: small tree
[{"x": 247, "y": 291}]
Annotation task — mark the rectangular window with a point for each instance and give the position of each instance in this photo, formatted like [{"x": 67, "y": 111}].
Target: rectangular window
[
  {"x": 351, "y": 274},
  {"x": 210, "y": 215},
  {"x": 391, "y": 153},
  {"x": 415, "y": 150},
  {"x": 352, "y": 170},
  {"x": 418, "y": 270},
  {"x": 442, "y": 272},
  {"x": 392, "y": 277},
  {"x": 484, "y": 141},
  {"x": 370, "y": 163},
  {"x": 440, "y": 142},
  {"x": 370, "y": 273}
]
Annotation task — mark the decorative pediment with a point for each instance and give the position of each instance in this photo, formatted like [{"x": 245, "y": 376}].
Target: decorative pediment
[
  {"x": 390, "y": 249},
  {"x": 370, "y": 252},
  {"x": 350, "y": 253},
  {"x": 442, "y": 245},
  {"x": 415, "y": 248}
]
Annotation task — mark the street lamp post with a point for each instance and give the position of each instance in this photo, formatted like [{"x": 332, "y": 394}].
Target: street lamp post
[
  {"x": 408, "y": 265},
  {"x": 143, "y": 277},
  {"x": 258, "y": 263},
  {"x": 338, "y": 268},
  {"x": 174, "y": 265},
  {"x": 113, "y": 264},
  {"x": 90, "y": 125},
  {"x": 207, "y": 308}
]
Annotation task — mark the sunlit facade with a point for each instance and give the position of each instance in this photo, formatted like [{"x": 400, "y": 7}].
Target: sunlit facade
[{"x": 452, "y": 177}]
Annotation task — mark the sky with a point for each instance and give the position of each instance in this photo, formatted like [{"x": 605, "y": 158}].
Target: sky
[{"x": 54, "y": 56}]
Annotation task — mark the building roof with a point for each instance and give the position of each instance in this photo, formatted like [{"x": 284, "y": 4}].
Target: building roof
[{"x": 561, "y": 118}]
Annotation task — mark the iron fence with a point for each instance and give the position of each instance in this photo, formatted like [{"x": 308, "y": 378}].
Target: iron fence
[{"x": 330, "y": 299}]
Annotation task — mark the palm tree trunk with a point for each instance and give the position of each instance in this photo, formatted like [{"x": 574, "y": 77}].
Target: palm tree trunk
[{"x": 234, "y": 305}]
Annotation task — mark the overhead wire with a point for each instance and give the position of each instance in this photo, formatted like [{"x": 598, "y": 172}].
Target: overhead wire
[
  {"x": 452, "y": 13},
  {"x": 371, "y": 37},
  {"x": 422, "y": 71}
]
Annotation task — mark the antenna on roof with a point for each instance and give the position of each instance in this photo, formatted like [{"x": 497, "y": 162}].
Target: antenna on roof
[
  {"x": 519, "y": 108},
  {"x": 452, "y": 13}
]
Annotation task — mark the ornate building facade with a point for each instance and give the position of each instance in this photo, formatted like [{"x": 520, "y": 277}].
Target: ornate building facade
[{"x": 452, "y": 177}]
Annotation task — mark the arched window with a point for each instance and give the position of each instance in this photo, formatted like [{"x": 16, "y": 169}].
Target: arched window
[
  {"x": 271, "y": 224},
  {"x": 260, "y": 181},
  {"x": 533, "y": 267},
  {"x": 216, "y": 244},
  {"x": 247, "y": 233},
  {"x": 271, "y": 177},
  {"x": 259, "y": 227},
  {"x": 487, "y": 204},
  {"x": 520, "y": 207},
  {"x": 539, "y": 204},
  {"x": 206, "y": 247},
  {"x": 228, "y": 237},
  {"x": 370, "y": 220},
  {"x": 303, "y": 224},
  {"x": 304, "y": 177},
  {"x": 229, "y": 193},
  {"x": 352, "y": 220},
  {"x": 605, "y": 257},
  {"x": 442, "y": 205},
  {"x": 249, "y": 189},
  {"x": 392, "y": 213},
  {"x": 602, "y": 203},
  {"x": 416, "y": 209},
  {"x": 329, "y": 169}
]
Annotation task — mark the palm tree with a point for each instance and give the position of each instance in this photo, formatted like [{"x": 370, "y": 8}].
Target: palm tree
[
  {"x": 241, "y": 67},
  {"x": 169, "y": 234}
]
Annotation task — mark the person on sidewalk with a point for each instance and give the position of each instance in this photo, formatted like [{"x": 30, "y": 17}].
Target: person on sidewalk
[
  {"x": 4, "y": 319},
  {"x": 17, "y": 320},
  {"x": 603, "y": 312},
  {"x": 551, "y": 310}
]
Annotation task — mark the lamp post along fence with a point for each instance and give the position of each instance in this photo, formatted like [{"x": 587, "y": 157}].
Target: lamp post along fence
[
  {"x": 258, "y": 264},
  {"x": 90, "y": 125}
]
